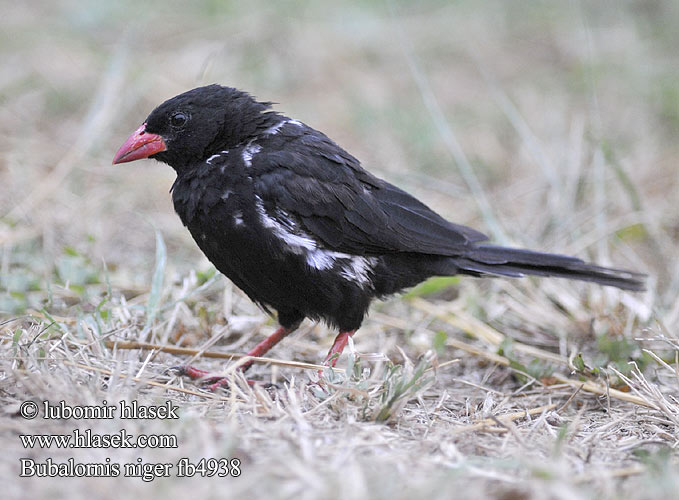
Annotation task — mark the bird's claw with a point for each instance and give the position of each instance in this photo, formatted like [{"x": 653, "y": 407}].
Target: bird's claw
[
  {"x": 211, "y": 383},
  {"x": 188, "y": 371}
]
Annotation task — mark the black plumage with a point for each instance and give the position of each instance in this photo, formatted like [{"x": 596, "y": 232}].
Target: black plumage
[{"x": 296, "y": 222}]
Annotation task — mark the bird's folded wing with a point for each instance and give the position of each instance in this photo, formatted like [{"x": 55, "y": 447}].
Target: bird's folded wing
[{"x": 349, "y": 210}]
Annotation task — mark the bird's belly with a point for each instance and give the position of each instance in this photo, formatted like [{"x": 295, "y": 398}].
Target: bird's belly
[
  {"x": 250, "y": 262},
  {"x": 315, "y": 285}
]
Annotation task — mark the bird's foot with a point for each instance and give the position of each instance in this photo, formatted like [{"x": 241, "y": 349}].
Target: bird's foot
[
  {"x": 210, "y": 383},
  {"x": 189, "y": 371},
  {"x": 218, "y": 381},
  {"x": 336, "y": 350},
  {"x": 331, "y": 358}
]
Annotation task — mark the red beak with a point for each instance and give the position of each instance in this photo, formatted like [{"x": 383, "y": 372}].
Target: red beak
[{"x": 139, "y": 145}]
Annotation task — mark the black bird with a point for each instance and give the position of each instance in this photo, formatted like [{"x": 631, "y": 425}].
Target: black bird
[{"x": 296, "y": 222}]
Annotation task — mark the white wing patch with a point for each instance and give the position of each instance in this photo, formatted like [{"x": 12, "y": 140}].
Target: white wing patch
[
  {"x": 273, "y": 130},
  {"x": 297, "y": 243},
  {"x": 252, "y": 148},
  {"x": 352, "y": 267},
  {"x": 215, "y": 156}
]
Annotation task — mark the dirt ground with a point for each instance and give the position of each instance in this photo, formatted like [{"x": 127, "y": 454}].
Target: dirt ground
[{"x": 547, "y": 125}]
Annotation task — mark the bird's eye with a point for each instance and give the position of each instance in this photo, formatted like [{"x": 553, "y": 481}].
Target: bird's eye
[{"x": 178, "y": 120}]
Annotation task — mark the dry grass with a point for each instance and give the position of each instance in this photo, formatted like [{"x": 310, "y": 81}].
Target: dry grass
[{"x": 549, "y": 126}]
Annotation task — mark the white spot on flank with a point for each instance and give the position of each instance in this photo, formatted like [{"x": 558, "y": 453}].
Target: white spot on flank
[
  {"x": 353, "y": 268},
  {"x": 226, "y": 194},
  {"x": 322, "y": 259},
  {"x": 238, "y": 218},
  {"x": 249, "y": 151},
  {"x": 358, "y": 269}
]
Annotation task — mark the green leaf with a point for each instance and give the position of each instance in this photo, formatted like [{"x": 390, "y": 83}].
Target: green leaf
[
  {"x": 579, "y": 363},
  {"x": 71, "y": 251},
  {"x": 440, "y": 339},
  {"x": 634, "y": 232},
  {"x": 433, "y": 285},
  {"x": 204, "y": 276}
]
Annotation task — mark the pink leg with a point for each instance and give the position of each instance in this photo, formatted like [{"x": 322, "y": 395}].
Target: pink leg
[
  {"x": 259, "y": 350},
  {"x": 265, "y": 345},
  {"x": 337, "y": 347}
]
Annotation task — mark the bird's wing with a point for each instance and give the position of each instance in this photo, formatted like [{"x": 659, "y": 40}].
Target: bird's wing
[{"x": 348, "y": 209}]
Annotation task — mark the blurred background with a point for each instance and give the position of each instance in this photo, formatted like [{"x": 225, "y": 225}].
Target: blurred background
[
  {"x": 545, "y": 124},
  {"x": 549, "y": 125}
]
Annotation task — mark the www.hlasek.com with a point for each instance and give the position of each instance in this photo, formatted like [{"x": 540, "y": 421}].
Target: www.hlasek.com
[
  {"x": 88, "y": 439},
  {"x": 147, "y": 471}
]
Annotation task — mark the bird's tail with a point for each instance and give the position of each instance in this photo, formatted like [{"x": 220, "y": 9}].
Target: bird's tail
[{"x": 489, "y": 260}]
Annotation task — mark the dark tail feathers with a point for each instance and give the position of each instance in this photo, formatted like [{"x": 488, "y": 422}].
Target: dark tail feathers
[{"x": 501, "y": 261}]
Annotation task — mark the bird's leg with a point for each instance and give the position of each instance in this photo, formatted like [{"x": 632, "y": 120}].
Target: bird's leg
[
  {"x": 259, "y": 350},
  {"x": 335, "y": 351},
  {"x": 337, "y": 347},
  {"x": 265, "y": 345}
]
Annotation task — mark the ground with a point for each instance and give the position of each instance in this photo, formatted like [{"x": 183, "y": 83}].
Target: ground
[{"x": 548, "y": 125}]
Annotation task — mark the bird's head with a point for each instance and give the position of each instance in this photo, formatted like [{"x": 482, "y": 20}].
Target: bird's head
[{"x": 193, "y": 126}]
